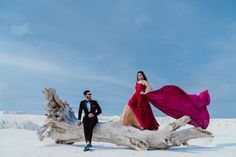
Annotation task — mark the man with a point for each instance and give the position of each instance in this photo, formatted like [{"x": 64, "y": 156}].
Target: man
[{"x": 91, "y": 109}]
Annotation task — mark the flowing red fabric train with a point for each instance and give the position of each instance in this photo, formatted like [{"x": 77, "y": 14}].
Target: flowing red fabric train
[{"x": 174, "y": 102}]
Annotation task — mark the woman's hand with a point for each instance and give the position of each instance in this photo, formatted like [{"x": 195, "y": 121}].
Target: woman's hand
[{"x": 142, "y": 93}]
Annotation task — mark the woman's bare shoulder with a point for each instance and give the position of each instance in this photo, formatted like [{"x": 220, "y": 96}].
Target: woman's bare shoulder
[{"x": 144, "y": 82}]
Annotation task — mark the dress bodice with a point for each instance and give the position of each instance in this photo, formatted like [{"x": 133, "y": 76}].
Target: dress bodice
[{"x": 139, "y": 87}]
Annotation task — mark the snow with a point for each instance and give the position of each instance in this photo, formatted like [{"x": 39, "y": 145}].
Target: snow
[
  {"x": 19, "y": 139},
  {"x": 20, "y": 120}
]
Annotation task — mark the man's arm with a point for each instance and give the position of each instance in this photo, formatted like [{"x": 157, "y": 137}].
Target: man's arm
[
  {"x": 98, "y": 109},
  {"x": 80, "y": 111}
]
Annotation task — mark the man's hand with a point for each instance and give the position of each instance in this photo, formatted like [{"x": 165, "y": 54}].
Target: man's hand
[
  {"x": 78, "y": 123},
  {"x": 90, "y": 115}
]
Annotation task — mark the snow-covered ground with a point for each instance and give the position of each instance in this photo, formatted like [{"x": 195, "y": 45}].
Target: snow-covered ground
[{"x": 18, "y": 138}]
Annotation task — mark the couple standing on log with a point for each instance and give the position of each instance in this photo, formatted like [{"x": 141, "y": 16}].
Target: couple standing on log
[{"x": 169, "y": 99}]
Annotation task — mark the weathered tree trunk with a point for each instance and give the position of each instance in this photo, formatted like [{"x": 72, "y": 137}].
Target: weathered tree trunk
[{"x": 61, "y": 126}]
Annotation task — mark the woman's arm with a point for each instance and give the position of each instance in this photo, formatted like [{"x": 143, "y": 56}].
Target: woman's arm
[{"x": 148, "y": 87}]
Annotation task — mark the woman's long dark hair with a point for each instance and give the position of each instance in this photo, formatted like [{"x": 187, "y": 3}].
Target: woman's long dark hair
[{"x": 144, "y": 76}]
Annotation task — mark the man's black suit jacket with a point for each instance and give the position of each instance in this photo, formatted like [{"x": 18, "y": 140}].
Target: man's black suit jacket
[{"x": 94, "y": 109}]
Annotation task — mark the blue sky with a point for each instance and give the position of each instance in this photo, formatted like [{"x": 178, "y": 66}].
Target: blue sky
[{"x": 100, "y": 45}]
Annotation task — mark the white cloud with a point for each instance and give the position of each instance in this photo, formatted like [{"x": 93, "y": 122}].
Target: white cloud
[
  {"x": 31, "y": 63},
  {"x": 109, "y": 79},
  {"x": 22, "y": 56},
  {"x": 46, "y": 66},
  {"x": 20, "y": 30}
]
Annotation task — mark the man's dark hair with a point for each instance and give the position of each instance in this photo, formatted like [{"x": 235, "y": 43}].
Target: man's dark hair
[{"x": 86, "y": 91}]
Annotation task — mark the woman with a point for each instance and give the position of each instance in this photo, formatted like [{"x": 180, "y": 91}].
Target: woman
[
  {"x": 170, "y": 99},
  {"x": 138, "y": 112}
]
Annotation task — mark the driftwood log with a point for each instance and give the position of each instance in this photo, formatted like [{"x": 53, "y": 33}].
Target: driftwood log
[{"x": 61, "y": 126}]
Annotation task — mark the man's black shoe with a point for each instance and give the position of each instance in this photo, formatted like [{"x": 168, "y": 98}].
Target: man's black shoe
[{"x": 87, "y": 147}]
